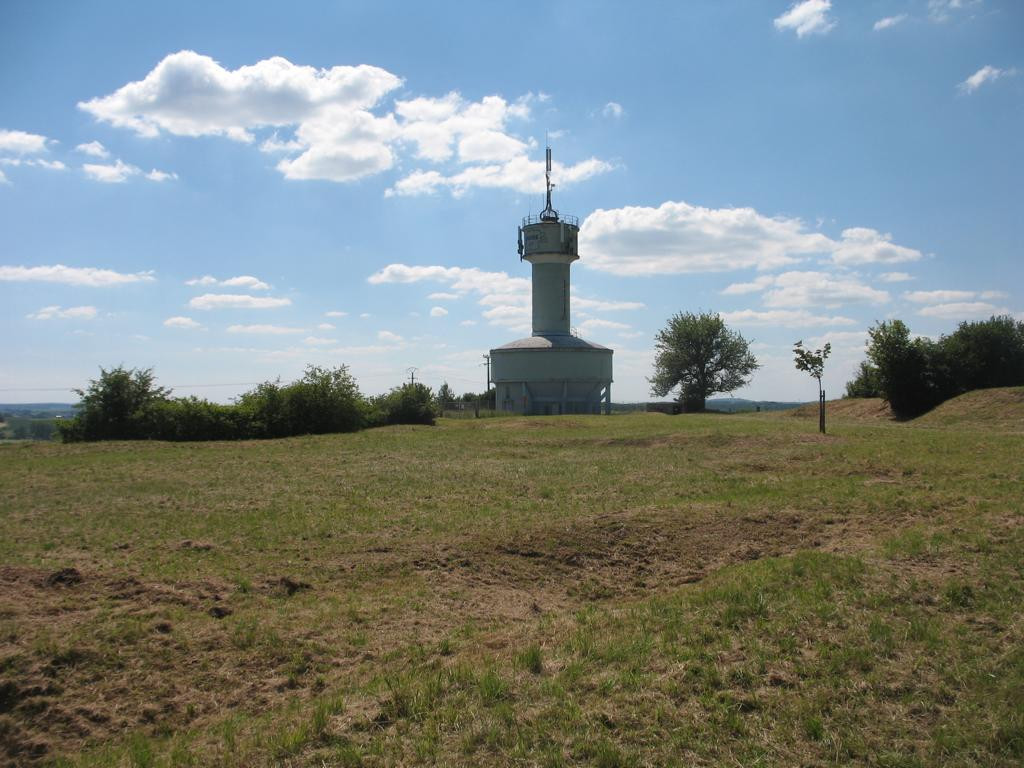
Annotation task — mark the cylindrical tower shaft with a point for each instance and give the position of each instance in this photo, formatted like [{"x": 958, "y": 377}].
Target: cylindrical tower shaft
[{"x": 550, "y": 298}]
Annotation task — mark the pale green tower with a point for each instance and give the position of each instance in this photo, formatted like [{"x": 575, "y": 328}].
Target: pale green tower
[{"x": 552, "y": 371}]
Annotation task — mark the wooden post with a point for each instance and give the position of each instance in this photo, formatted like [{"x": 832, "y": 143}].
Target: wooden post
[{"x": 821, "y": 412}]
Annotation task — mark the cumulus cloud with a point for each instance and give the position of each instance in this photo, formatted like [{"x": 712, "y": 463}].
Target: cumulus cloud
[
  {"x": 182, "y": 322},
  {"x": 941, "y": 11},
  {"x": 236, "y": 301},
  {"x": 613, "y": 109},
  {"x": 520, "y": 174},
  {"x": 987, "y": 74},
  {"x": 963, "y": 310},
  {"x": 809, "y": 289},
  {"x": 93, "y": 149},
  {"x": 388, "y": 336},
  {"x": 241, "y": 281},
  {"x": 58, "y": 273},
  {"x": 325, "y": 327},
  {"x": 679, "y": 238},
  {"x": 438, "y": 311},
  {"x": 335, "y": 313},
  {"x": 114, "y": 173},
  {"x": 57, "y": 312},
  {"x": 22, "y": 143},
  {"x": 809, "y": 17},
  {"x": 442, "y": 296},
  {"x": 889, "y": 22},
  {"x": 189, "y": 94},
  {"x": 331, "y": 123},
  {"x": 38, "y": 162},
  {"x": 505, "y": 300},
  {"x": 269, "y": 330},
  {"x": 120, "y": 171},
  {"x": 937, "y": 297},
  {"x": 790, "y": 318},
  {"x": 895, "y": 277}
]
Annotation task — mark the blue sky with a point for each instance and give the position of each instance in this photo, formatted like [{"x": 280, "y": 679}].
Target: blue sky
[{"x": 227, "y": 192}]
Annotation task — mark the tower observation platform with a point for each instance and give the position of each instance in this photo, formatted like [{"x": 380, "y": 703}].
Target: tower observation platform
[{"x": 552, "y": 371}]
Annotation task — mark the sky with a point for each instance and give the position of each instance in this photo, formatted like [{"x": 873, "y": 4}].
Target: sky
[{"x": 228, "y": 192}]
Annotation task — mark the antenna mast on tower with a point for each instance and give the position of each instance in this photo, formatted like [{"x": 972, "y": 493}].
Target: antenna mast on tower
[{"x": 549, "y": 213}]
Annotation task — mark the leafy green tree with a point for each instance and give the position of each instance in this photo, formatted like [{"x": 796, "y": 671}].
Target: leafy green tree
[
  {"x": 114, "y": 407},
  {"x": 913, "y": 374},
  {"x": 814, "y": 364},
  {"x": 445, "y": 395},
  {"x": 864, "y": 382},
  {"x": 986, "y": 353},
  {"x": 701, "y": 356},
  {"x": 411, "y": 403}
]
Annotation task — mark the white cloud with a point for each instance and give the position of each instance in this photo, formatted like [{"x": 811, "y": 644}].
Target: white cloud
[
  {"x": 937, "y": 297},
  {"x": 895, "y": 277},
  {"x": 738, "y": 289},
  {"x": 189, "y": 94},
  {"x": 22, "y": 143},
  {"x": 593, "y": 323},
  {"x": 317, "y": 341},
  {"x": 325, "y": 327},
  {"x": 236, "y": 301},
  {"x": 110, "y": 174},
  {"x": 468, "y": 323},
  {"x": 182, "y": 322},
  {"x": 599, "y": 305},
  {"x": 242, "y": 281},
  {"x": 58, "y": 273},
  {"x": 38, "y": 162},
  {"x": 861, "y": 245},
  {"x": 810, "y": 289},
  {"x": 93, "y": 149},
  {"x": 889, "y": 22},
  {"x": 941, "y": 11},
  {"x": 520, "y": 174},
  {"x": 785, "y": 317},
  {"x": 57, "y": 312},
  {"x": 3, "y": 178},
  {"x": 438, "y": 311},
  {"x": 442, "y": 296},
  {"x": 809, "y": 17},
  {"x": 506, "y": 299},
  {"x": 269, "y": 330},
  {"x": 613, "y": 109},
  {"x": 335, "y": 313},
  {"x": 155, "y": 175},
  {"x": 327, "y": 122},
  {"x": 677, "y": 238},
  {"x": 121, "y": 171},
  {"x": 365, "y": 315},
  {"x": 963, "y": 310},
  {"x": 987, "y": 74},
  {"x": 389, "y": 336}
]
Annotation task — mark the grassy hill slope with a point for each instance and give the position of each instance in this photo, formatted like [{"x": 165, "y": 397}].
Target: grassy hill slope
[
  {"x": 1001, "y": 408},
  {"x": 607, "y": 591}
]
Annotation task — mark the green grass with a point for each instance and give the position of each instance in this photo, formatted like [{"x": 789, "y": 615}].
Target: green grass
[{"x": 633, "y": 590}]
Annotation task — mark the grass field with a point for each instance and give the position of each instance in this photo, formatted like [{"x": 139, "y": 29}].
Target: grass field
[{"x": 610, "y": 591}]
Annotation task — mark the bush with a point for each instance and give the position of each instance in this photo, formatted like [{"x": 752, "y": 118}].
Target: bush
[
  {"x": 864, "y": 383},
  {"x": 915, "y": 375},
  {"x": 114, "y": 406},
  {"x": 407, "y": 404},
  {"x": 189, "y": 418}
]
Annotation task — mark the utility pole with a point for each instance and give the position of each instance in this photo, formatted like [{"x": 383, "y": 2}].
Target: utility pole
[
  {"x": 487, "y": 362},
  {"x": 412, "y": 374}
]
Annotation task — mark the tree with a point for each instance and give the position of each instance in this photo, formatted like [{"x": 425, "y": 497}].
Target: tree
[
  {"x": 445, "y": 395},
  {"x": 864, "y": 382},
  {"x": 814, "y": 364},
  {"x": 700, "y": 355},
  {"x": 913, "y": 374},
  {"x": 114, "y": 407},
  {"x": 986, "y": 353}
]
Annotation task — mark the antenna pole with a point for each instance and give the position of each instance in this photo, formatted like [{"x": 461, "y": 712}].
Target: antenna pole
[{"x": 547, "y": 177}]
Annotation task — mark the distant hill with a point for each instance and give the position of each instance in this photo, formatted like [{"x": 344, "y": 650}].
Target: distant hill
[{"x": 38, "y": 410}]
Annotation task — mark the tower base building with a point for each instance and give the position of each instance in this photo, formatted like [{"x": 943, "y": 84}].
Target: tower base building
[{"x": 551, "y": 372}]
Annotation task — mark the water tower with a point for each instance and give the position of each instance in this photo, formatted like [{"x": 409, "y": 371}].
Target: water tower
[{"x": 552, "y": 371}]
